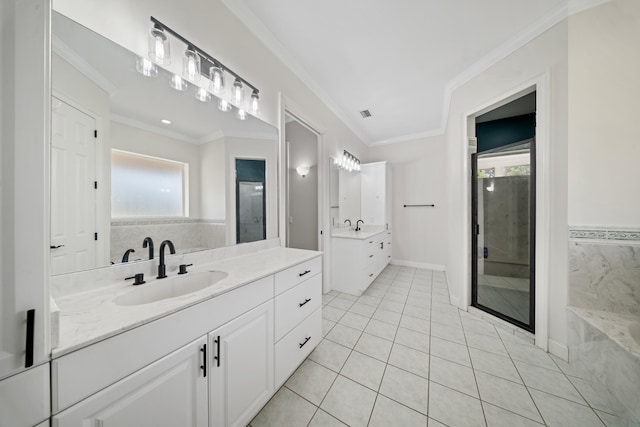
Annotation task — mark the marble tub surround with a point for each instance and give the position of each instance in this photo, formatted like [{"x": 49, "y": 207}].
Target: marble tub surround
[
  {"x": 365, "y": 232},
  {"x": 91, "y": 316},
  {"x": 605, "y": 276},
  {"x": 601, "y": 346}
]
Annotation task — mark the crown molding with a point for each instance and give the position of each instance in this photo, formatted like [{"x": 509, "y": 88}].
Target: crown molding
[
  {"x": 408, "y": 137},
  {"x": 155, "y": 129},
  {"x": 266, "y": 37},
  {"x": 72, "y": 57}
]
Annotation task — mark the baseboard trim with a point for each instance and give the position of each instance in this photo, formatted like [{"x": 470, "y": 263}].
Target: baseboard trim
[
  {"x": 559, "y": 349},
  {"x": 404, "y": 263}
]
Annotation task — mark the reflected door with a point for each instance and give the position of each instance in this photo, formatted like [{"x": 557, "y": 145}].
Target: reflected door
[
  {"x": 503, "y": 263},
  {"x": 250, "y": 201},
  {"x": 73, "y": 189}
]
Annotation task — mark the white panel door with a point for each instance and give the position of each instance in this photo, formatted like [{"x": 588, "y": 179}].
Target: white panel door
[
  {"x": 170, "y": 392},
  {"x": 73, "y": 193},
  {"x": 241, "y": 359}
]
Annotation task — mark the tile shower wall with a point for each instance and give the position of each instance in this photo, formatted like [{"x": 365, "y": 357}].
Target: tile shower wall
[
  {"x": 187, "y": 234},
  {"x": 604, "y": 270}
]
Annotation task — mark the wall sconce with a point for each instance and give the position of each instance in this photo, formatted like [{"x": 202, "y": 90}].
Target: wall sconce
[
  {"x": 199, "y": 64},
  {"x": 348, "y": 162},
  {"x": 302, "y": 170}
]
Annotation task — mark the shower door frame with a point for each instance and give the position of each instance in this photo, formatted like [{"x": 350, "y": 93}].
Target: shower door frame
[{"x": 475, "y": 229}]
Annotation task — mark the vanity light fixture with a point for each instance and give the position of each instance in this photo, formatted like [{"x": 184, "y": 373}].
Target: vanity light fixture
[
  {"x": 197, "y": 63},
  {"x": 191, "y": 64},
  {"x": 159, "y": 50},
  {"x": 302, "y": 170},
  {"x": 348, "y": 162},
  {"x": 178, "y": 83},
  {"x": 146, "y": 67},
  {"x": 202, "y": 95}
]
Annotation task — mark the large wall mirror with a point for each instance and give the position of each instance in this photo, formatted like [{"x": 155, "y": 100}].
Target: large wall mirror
[
  {"x": 133, "y": 158},
  {"x": 344, "y": 196}
]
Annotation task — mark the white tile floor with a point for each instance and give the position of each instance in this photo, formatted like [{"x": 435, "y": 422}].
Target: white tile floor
[{"x": 401, "y": 355}]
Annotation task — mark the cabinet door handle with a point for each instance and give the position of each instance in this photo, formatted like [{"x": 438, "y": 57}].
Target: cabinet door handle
[
  {"x": 381, "y": 245},
  {"x": 305, "y": 272},
  {"x": 204, "y": 358},
  {"x": 306, "y": 340},
  {"x": 217, "y": 356},
  {"x": 305, "y": 301},
  {"x": 31, "y": 323}
]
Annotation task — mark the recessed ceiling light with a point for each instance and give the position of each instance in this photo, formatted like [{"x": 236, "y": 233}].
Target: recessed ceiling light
[{"x": 166, "y": 122}]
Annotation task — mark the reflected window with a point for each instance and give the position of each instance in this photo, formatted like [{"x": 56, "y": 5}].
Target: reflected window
[{"x": 145, "y": 186}]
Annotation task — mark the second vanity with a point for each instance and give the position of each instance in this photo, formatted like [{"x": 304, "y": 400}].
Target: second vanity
[
  {"x": 212, "y": 357},
  {"x": 358, "y": 257}
]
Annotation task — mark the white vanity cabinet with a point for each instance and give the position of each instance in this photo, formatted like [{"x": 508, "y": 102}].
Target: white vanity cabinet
[
  {"x": 169, "y": 392},
  {"x": 298, "y": 316},
  {"x": 375, "y": 194},
  {"x": 241, "y": 367},
  {"x": 356, "y": 262}
]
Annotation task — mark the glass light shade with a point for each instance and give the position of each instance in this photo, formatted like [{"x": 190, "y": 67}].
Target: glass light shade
[
  {"x": 302, "y": 170},
  {"x": 255, "y": 103},
  {"x": 237, "y": 92},
  {"x": 241, "y": 114},
  {"x": 202, "y": 95},
  {"x": 224, "y": 105},
  {"x": 146, "y": 67},
  {"x": 159, "y": 50},
  {"x": 217, "y": 80},
  {"x": 191, "y": 65},
  {"x": 178, "y": 83}
]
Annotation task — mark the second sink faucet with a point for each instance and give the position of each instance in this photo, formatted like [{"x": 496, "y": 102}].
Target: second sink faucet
[
  {"x": 358, "y": 224},
  {"x": 349, "y": 221},
  {"x": 162, "y": 268},
  {"x": 148, "y": 241}
]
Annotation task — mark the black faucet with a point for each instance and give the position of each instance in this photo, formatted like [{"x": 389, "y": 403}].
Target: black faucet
[
  {"x": 148, "y": 241},
  {"x": 358, "y": 224},
  {"x": 162, "y": 268},
  {"x": 125, "y": 257},
  {"x": 349, "y": 221}
]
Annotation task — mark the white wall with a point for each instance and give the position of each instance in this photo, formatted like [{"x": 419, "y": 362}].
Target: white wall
[
  {"x": 419, "y": 177},
  {"x": 135, "y": 140},
  {"x": 213, "y": 179},
  {"x": 604, "y": 91},
  {"x": 544, "y": 57}
]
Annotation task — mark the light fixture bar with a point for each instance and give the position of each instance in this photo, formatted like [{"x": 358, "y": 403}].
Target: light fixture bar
[{"x": 210, "y": 60}]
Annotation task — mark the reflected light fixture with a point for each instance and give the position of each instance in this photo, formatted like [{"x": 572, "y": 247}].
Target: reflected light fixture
[
  {"x": 216, "y": 75},
  {"x": 159, "y": 50},
  {"x": 166, "y": 122},
  {"x": 196, "y": 64},
  {"x": 202, "y": 95},
  {"x": 347, "y": 162},
  {"x": 146, "y": 67},
  {"x": 178, "y": 83},
  {"x": 302, "y": 170},
  {"x": 191, "y": 64},
  {"x": 223, "y": 105}
]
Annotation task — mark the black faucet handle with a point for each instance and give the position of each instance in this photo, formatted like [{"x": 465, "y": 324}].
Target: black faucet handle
[
  {"x": 183, "y": 268},
  {"x": 138, "y": 279}
]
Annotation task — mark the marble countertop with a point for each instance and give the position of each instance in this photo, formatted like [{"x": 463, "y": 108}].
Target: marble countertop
[
  {"x": 365, "y": 233},
  {"x": 91, "y": 316}
]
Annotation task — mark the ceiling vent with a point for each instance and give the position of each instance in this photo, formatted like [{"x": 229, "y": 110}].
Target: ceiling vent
[{"x": 365, "y": 113}]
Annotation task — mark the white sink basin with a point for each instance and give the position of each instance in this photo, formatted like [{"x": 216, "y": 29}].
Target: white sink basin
[{"x": 175, "y": 286}]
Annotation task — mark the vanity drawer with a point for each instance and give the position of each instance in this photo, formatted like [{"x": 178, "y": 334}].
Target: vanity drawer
[
  {"x": 290, "y": 277},
  {"x": 297, "y": 303},
  {"x": 296, "y": 346}
]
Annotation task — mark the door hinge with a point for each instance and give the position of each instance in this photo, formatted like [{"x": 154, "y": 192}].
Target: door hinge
[
  {"x": 95, "y": 184},
  {"x": 95, "y": 133},
  {"x": 95, "y": 236}
]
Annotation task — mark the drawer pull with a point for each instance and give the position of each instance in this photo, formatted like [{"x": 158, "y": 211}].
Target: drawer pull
[
  {"x": 217, "y": 356},
  {"x": 305, "y": 272},
  {"x": 306, "y": 340},
  {"x": 371, "y": 275},
  {"x": 370, "y": 256},
  {"x": 370, "y": 241},
  {"x": 305, "y": 301}
]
